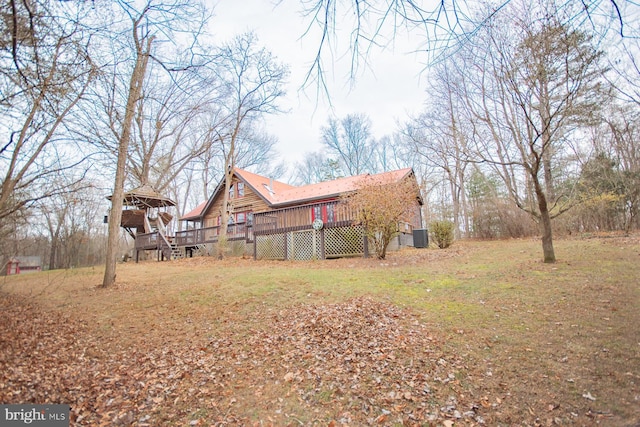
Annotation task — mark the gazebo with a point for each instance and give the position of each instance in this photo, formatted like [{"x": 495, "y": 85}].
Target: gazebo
[
  {"x": 145, "y": 210},
  {"x": 145, "y": 218}
]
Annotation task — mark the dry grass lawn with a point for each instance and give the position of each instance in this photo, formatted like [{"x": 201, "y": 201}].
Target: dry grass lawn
[{"x": 482, "y": 333}]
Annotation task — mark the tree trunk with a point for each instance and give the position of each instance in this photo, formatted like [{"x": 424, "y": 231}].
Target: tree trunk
[
  {"x": 55, "y": 243},
  {"x": 545, "y": 224},
  {"x": 229, "y": 165},
  {"x": 115, "y": 216}
]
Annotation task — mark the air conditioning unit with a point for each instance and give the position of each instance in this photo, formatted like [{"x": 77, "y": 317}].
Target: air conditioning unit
[{"x": 420, "y": 238}]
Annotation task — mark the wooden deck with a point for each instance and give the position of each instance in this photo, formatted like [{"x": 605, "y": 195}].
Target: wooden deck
[
  {"x": 200, "y": 236},
  {"x": 194, "y": 237},
  {"x": 286, "y": 233},
  {"x": 332, "y": 214}
]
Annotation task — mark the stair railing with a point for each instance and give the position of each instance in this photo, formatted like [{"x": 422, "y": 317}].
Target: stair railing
[{"x": 164, "y": 245}]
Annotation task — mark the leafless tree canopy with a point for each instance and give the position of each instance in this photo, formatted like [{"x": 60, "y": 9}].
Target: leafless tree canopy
[
  {"x": 508, "y": 117},
  {"x": 531, "y": 109},
  {"x": 251, "y": 82},
  {"x": 45, "y": 70},
  {"x": 442, "y": 26},
  {"x": 349, "y": 141}
]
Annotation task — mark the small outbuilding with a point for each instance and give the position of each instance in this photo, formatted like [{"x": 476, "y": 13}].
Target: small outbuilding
[{"x": 24, "y": 264}]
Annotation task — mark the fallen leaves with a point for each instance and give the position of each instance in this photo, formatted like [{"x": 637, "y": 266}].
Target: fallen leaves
[
  {"x": 359, "y": 354},
  {"x": 361, "y": 361},
  {"x": 357, "y": 362},
  {"x": 53, "y": 358}
]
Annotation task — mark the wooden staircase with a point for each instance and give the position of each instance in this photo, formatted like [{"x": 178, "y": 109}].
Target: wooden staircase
[
  {"x": 176, "y": 252},
  {"x": 169, "y": 250}
]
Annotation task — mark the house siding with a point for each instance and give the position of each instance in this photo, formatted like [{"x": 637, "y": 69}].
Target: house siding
[{"x": 250, "y": 202}]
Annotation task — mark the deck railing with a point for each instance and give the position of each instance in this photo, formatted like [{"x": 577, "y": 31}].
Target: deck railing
[
  {"x": 197, "y": 236},
  {"x": 147, "y": 241},
  {"x": 332, "y": 214}
]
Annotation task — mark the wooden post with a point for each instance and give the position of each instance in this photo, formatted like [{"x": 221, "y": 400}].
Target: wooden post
[
  {"x": 286, "y": 246},
  {"x": 366, "y": 246}
]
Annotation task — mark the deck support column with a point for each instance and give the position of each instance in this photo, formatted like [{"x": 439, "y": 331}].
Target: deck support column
[
  {"x": 255, "y": 248},
  {"x": 366, "y": 246}
]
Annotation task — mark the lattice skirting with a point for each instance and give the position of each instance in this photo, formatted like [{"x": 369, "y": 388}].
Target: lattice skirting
[
  {"x": 304, "y": 245},
  {"x": 311, "y": 244},
  {"x": 271, "y": 246},
  {"x": 344, "y": 241}
]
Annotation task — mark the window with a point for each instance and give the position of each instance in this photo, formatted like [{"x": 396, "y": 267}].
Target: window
[
  {"x": 316, "y": 213},
  {"x": 324, "y": 212},
  {"x": 241, "y": 217},
  {"x": 241, "y": 189},
  {"x": 232, "y": 191},
  {"x": 329, "y": 213}
]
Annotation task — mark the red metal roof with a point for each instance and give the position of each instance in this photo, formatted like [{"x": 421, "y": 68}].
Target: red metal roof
[
  {"x": 268, "y": 188},
  {"x": 195, "y": 213},
  {"x": 334, "y": 188}
]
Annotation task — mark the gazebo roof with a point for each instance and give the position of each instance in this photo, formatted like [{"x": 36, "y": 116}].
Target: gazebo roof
[{"x": 145, "y": 196}]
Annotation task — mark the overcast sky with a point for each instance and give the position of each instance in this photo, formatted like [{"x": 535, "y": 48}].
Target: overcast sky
[{"x": 391, "y": 89}]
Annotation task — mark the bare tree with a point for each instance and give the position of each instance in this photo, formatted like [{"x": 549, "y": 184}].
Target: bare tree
[
  {"x": 143, "y": 43},
  {"x": 530, "y": 93},
  {"x": 440, "y": 138},
  {"x": 349, "y": 140},
  {"x": 316, "y": 167},
  {"x": 252, "y": 81},
  {"x": 44, "y": 72},
  {"x": 624, "y": 61},
  {"x": 444, "y": 26},
  {"x": 167, "y": 137},
  {"x": 255, "y": 150},
  {"x": 389, "y": 154},
  {"x": 624, "y": 133},
  {"x": 150, "y": 23},
  {"x": 74, "y": 226}
]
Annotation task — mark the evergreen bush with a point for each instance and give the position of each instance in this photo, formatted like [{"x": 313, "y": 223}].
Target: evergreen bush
[{"x": 442, "y": 233}]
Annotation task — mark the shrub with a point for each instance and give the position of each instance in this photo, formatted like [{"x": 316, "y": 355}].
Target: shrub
[
  {"x": 442, "y": 233},
  {"x": 380, "y": 204}
]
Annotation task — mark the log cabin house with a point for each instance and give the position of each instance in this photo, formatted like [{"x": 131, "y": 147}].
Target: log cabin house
[{"x": 274, "y": 220}]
